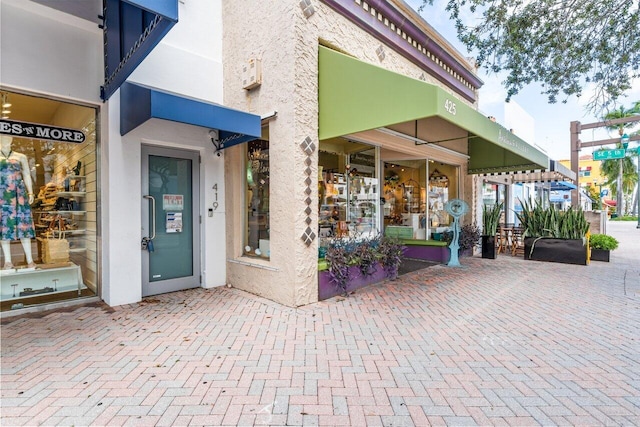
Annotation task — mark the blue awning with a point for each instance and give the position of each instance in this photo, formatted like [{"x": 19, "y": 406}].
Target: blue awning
[
  {"x": 562, "y": 185},
  {"x": 139, "y": 104},
  {"x": 132, "y": 28}
]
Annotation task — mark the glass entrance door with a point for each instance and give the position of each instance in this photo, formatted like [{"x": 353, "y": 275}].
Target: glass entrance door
[{"x": 170, "y": 220}]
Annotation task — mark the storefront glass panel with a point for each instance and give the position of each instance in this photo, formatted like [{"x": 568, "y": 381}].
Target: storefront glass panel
[
  {"x": 49, "y": 242},
  {"x": 493, "y": 194},
  {"x": 257, "y": 197},
  {"x": 415, "y": 193},
  {"x": 348, "y": 190},
  {"x": 405, "y": 197}
]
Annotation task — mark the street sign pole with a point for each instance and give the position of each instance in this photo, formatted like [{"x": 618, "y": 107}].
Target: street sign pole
[
  {"x": 624, "y": 143},
  {"x": 638, "y": 189},
  {"x": 619, "y": 198},
  {"x": 575, "y": 130}
]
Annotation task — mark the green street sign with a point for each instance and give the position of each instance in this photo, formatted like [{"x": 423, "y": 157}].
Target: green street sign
[{"x": 618, "y": 153}]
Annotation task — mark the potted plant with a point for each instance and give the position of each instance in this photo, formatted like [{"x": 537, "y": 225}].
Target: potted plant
[
  {"x": 554, "y": 235},
  {"x": 391, "y": 253},
  {"x": 469, "y": 238},
  {"x": 352, "y": 263},
  {"x": 601, "y": 246},
  {"x": 490, "y": 218}
]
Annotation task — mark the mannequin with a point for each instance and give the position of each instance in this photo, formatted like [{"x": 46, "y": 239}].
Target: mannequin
[{"x": 17, "y": 195}]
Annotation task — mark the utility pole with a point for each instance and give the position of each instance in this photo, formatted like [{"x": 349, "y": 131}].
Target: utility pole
[
  {"x": 624, "y": 140},
  {"x": 575, "y": 162},
  {"x": 619, "y": 198}
]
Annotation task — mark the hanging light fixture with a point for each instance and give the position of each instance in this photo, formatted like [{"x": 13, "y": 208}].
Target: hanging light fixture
[
  {"x": 5, "y": 102},
  {"x": 5, "y": 106}
]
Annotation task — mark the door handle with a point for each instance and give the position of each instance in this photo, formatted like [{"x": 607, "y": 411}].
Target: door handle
[{"x": 153, "y": 216}]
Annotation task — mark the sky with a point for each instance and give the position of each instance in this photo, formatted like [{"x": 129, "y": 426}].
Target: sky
[{"x": 543, "y": 124}]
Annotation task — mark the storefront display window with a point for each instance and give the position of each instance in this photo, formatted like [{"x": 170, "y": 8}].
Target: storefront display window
[
  {"x": 49, "y": 177},
  {"x": 520, "y": 193},
  {"x": 438, "y": 197},
  {"x": 405, "y": 197},
  {"x": 415, "y": 192},
  {"x": 257, "y": 198},
  {"x": 348, "y": 190},
  {"x": 443, "y": 186},
  {"x": 493, "y": 194}
]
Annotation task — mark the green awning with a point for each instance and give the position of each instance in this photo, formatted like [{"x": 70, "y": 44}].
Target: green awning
[{"x": 355, "y": 96}]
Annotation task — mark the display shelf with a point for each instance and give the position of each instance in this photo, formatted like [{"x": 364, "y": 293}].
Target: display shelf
[
  {"x": 71, "y": 193},
  {"x": 41, "y": 281},
  {"x": 74, "y": 189},
  {"x": 73, "y": 182},
  {"x": 67, "y": 232},
  {"x": 65, "y": 212}
]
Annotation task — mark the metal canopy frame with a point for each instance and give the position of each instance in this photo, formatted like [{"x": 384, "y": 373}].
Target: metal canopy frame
[{"x": 575, "y": 129}]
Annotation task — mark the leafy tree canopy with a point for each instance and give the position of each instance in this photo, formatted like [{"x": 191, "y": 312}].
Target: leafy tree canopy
[
  {"x": 563, "y": 44},
  {"x": 622, "y": 112}
]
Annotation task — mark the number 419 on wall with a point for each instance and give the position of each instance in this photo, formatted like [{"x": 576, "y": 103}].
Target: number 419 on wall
[{"x": 215, "y": 196}]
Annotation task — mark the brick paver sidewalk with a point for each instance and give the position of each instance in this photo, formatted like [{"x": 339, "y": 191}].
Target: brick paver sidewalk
[{"x": 496, "y": 342}]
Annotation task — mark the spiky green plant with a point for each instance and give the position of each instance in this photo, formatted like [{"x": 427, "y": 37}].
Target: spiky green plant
[
  {"x": 490, "y": 218},
  {"x": 537, "y": 221}
]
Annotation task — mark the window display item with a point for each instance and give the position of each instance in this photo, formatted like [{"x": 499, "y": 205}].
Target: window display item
[
  {"x": 56, "y": 249},
  {"x": 17, "y": 196},
  {"x": 30, "y": 291}
]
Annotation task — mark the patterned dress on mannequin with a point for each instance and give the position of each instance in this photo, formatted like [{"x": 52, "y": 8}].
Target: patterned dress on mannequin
[{"x": 17, "y": 222}]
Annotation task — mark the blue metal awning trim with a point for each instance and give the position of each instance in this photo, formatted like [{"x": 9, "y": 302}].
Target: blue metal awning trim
[
  {"x": 165, "y": 8},
  {"x": 139, "y": 104},
  {"x": 132, "y": 29}
]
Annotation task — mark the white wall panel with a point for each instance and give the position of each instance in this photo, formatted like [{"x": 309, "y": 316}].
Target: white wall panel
[
  {"x": 121, "y": 218},
  {"x": 188, "y": 60},
  {"x": 57, "y": 53}
]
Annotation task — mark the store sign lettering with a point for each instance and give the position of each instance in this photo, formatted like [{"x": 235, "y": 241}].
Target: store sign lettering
[
  {"x": 450, "y": 106},
  {"x": 32, "y": 130},
  {"x": 508, "y": 140}
]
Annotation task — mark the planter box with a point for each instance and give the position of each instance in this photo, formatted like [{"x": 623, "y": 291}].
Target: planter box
[
  {"x": 439, "y": 254},
  {"x": 600, "y": 255},
  {"x": 567, "y": 251},
  {"x": 327, "y": 288},
  {"x": 489, "y": 247}
]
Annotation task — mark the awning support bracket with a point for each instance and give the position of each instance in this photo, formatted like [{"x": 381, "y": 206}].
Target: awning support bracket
[{"x": 218, "y": 145}]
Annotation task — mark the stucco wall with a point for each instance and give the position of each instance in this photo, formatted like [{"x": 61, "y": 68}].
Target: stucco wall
[
  {"x": 287, "y": 43},
  {"x": 264, "y": 31}
]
